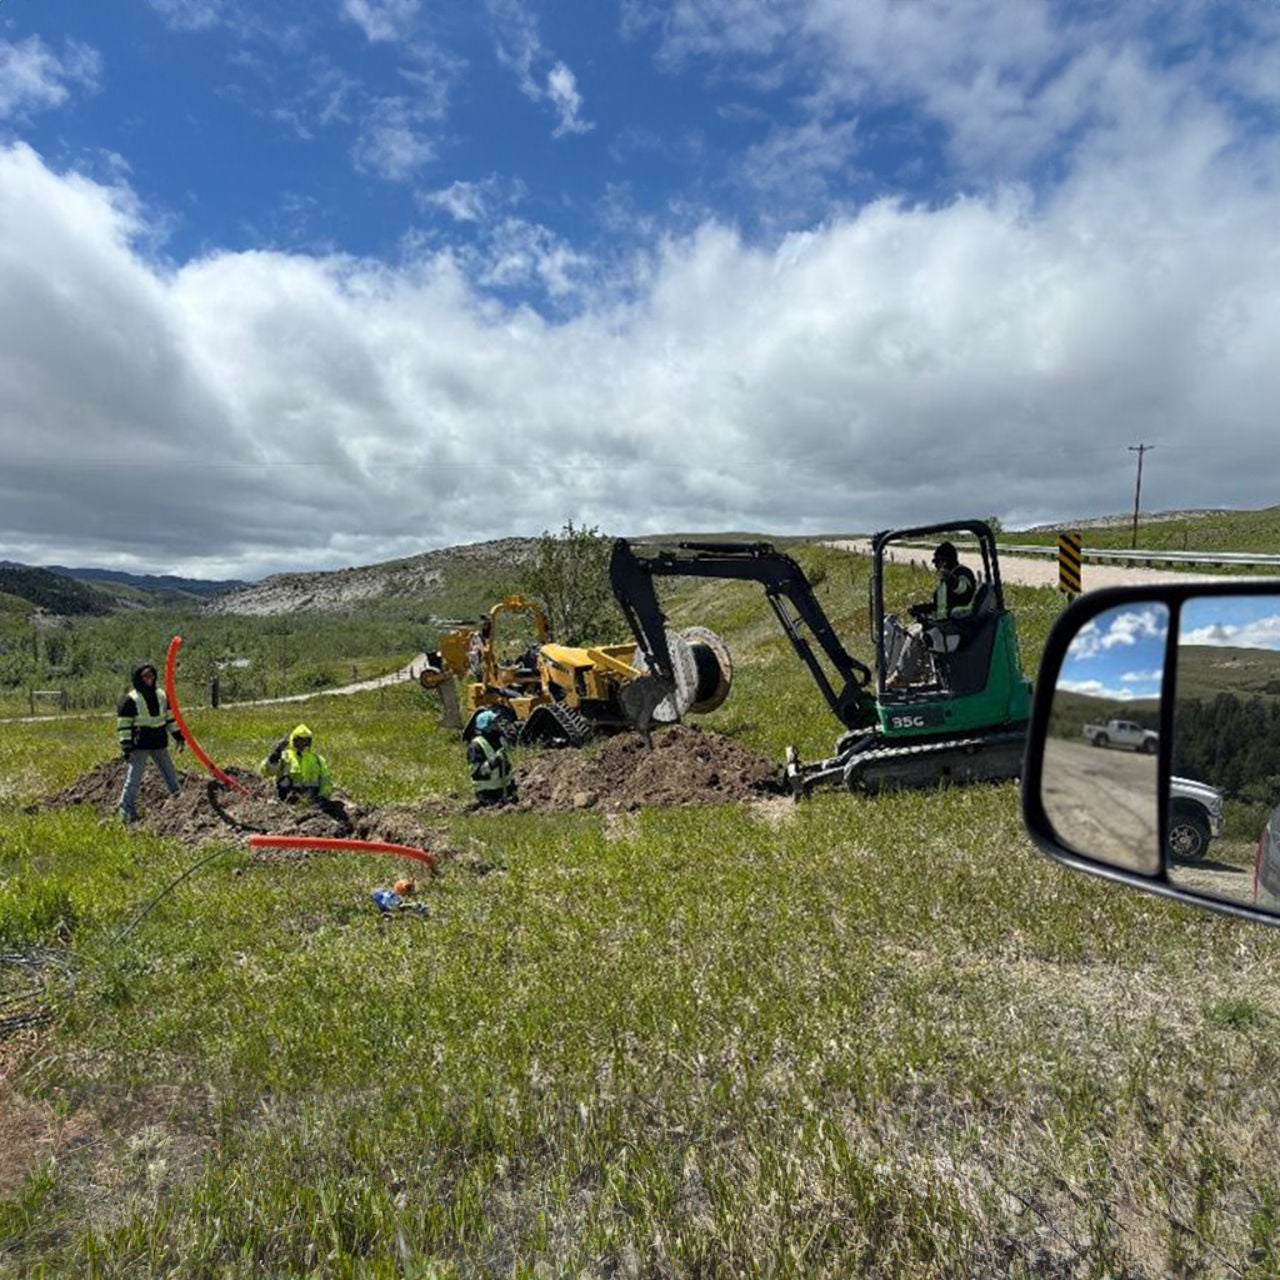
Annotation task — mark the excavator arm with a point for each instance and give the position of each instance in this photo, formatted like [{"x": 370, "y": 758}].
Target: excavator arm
[{"x": 788, "y": 591}]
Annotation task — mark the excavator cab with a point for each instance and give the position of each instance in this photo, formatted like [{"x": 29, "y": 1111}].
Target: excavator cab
[{"x": 971, "y": 672}]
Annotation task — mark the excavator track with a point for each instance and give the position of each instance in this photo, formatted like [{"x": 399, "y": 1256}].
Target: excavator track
[
  {"x": 870, "y": 768},
  {"x": 990, "y": 757},
  {"x": 554, "y": 724}
]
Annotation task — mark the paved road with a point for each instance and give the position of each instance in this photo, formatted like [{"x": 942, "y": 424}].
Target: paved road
[{"x": 1032, "y": 571}]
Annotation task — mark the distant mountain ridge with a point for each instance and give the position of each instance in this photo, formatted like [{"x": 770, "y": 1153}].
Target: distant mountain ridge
[
  {"x": 152, "y": 581},
  {"x": 50, "y": 591},
  {"x": 339, "y": 590},
  {"x": 420, "y": 577}
]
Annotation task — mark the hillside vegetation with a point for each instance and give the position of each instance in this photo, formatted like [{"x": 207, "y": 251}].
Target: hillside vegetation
[
  {"x": 52, "y": 592},
  {"x": 293, "y": 635},
  {"x": 854, "y": 1036}
]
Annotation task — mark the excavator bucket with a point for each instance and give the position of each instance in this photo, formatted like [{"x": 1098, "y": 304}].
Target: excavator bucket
[{"x": 641, "y": 698}]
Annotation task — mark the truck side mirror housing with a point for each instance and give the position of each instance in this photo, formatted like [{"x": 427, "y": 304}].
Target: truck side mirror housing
[{"x": 1153, "y": 753}]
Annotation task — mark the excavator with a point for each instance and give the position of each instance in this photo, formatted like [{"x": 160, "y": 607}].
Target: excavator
[
  {"x": 963, "y": 720},
  {"x": 563, "y": 695}
]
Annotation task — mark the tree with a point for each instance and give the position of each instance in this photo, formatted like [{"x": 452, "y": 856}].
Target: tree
[{"x": 570, "y": 575}]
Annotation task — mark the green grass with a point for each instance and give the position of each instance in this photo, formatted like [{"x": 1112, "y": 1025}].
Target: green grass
[
  {"x": 876, "y": 1037},
  {"x": 1219, "y": 531}
]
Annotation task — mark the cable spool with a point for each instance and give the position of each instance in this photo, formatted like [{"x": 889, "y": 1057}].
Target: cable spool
[
  {"x": 703, "y": 672},
  {"x": 714, "y": 667}
]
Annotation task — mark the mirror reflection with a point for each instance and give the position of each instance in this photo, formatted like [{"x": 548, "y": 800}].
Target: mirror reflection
[
  {"x": 1225, "y": 835},
  {"x": 1100, "y": 778}
]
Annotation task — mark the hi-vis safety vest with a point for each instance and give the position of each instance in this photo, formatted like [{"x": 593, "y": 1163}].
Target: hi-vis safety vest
[
  {"x": 142, "y": 718},
  {"x": 495, "y": 773},
  {"x": 942, "y": 599}
]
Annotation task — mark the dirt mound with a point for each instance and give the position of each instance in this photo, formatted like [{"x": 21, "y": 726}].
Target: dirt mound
[
  {"x": 685, "y": 766},
  {"x": 206, "y": 811}
]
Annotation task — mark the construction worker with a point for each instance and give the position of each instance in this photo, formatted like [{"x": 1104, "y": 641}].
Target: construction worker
[
  {"x": 954, "y": 595},
  {"x": 954, "y": 592},
  {"x": 488, "y": 761},
  {"x": 144, "y": 725},
  {"x": 300, "y": 771}
]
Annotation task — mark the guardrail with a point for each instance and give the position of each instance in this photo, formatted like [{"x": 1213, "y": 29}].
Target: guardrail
[{"x": 1257, "y": 559}]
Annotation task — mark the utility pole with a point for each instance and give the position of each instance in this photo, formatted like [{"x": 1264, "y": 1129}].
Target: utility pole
[{"x": 1139, "y": 449}]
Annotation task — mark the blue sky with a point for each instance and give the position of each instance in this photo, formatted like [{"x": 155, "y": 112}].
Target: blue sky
[
  {"x": 1119, "y": 655},
  {"x": 346, "y": 280},
  {"x": 1247, "y": 623}
]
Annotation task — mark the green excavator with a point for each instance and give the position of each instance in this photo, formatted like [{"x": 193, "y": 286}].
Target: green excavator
[{"x": 963, "y": 719}]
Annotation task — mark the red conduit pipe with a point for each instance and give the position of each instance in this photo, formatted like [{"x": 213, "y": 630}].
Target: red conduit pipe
[
  {"x": 348, "y": 846},
  {"x": 225, "y": 778}
]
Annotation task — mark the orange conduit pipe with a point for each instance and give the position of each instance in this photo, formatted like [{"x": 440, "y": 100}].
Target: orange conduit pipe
[
  {"x": 346, "y": 846},
  {"x": 225, "y": 778}
]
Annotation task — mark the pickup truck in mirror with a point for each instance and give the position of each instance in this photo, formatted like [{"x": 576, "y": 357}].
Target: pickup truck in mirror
[
  {"x": 1124, "y": 735},
  {"x": 1185, "y": 680}
]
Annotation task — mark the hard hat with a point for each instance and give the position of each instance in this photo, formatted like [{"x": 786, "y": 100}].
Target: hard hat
[
  {"x": 945, "y": 554},
  {"x": 486, "y": 720}
]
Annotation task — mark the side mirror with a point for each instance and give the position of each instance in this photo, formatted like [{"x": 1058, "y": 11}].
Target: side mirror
[{"x": 1153, "y": 754}]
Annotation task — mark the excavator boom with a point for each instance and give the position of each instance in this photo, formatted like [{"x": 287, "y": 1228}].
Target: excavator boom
[{"x": 789, "y": 593}]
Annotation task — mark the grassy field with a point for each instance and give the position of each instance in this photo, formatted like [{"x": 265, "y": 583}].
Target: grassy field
[
  {"x": 875, "y": 1037},
  {"x": 1220, "y": 531}
]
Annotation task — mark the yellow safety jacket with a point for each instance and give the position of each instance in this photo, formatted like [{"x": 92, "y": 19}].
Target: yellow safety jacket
[{"x": 303, "y": 769}]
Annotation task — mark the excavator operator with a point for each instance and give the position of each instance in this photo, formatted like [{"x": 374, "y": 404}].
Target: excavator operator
[{"x": 954, "y": 594}]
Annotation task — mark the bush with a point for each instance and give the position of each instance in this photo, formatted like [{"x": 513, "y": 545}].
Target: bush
[{"x": 570, "y": 575}]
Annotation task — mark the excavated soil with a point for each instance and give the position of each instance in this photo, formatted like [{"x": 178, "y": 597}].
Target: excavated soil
[
  {"x": 684, "y": 766},
  {"x": 206, "y": 811}
]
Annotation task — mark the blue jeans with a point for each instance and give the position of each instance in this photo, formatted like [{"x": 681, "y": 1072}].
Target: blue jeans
[{"x": 133, "y": 779}]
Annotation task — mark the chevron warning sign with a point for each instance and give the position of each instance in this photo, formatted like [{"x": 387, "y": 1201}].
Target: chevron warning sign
[{"x": 1069, "y": 564}]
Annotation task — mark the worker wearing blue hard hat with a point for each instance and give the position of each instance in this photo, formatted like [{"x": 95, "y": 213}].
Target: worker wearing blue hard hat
[{"x": 488, "y": 761}]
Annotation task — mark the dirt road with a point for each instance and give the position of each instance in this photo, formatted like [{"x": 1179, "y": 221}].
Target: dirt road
[
  {"x": 410, "y": 671},
  {"x": 1103, "y": 803},
  {"x": 1032, "y": 571}
]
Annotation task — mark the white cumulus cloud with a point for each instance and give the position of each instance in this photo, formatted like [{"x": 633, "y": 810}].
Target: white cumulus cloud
[
  {"x": 1262, "y": 633},
  {"x": 891, "y": 366}
]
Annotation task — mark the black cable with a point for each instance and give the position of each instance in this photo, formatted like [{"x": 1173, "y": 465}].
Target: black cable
[
  {"x": 168, "y": 889},
  {"x": 37, "y": 961}
]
